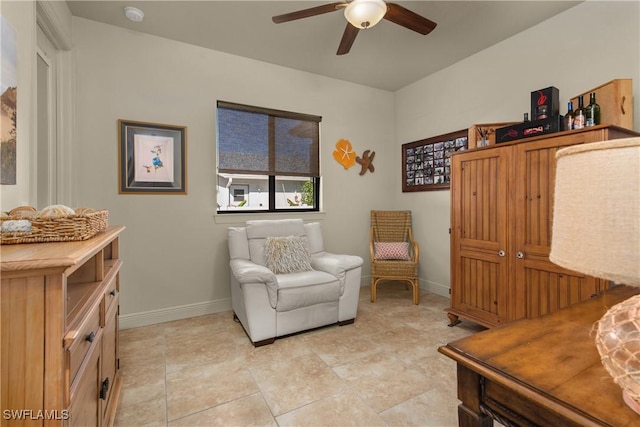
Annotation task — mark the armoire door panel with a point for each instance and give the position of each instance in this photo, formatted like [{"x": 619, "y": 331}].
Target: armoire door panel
[
  {"x": 479, "y": 235},
  {"x": 483, "y": 195},
  {"x": 534, "y": 185},
  {"x": 534, "y": 204},
  {"x": 541, "y": 286},
  {"x": 548, "y": 291},
  {"x": 481, "y": 293}
]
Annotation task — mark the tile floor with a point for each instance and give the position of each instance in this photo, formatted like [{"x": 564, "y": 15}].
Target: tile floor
[{"x": 383, "y": 370}]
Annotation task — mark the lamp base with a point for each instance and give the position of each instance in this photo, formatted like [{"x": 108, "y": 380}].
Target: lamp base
[
  {"x": 631, "y": 402},
  {"x": 617, "y": 338}
]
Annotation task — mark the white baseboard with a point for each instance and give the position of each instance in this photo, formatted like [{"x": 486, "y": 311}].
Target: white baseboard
[
  {"x": 435, "y": 288},
  {"x": 152, "y": 317}
]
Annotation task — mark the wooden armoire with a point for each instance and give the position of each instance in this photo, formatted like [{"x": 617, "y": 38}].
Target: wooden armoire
[{"x": 501, "y": 213}]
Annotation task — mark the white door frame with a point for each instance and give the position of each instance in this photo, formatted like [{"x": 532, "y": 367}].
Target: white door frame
[
  {"x": 46, "y": 153},
  {"x": 54, "y": 18}
]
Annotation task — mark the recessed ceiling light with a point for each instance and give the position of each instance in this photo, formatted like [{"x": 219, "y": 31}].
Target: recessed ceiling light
[{"x": 134, "y": 14}]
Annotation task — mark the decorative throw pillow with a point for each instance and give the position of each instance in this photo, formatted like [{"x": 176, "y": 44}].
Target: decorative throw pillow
[
  {"x": 392, "y": 250},
  {"x": 287, "y": 254}
]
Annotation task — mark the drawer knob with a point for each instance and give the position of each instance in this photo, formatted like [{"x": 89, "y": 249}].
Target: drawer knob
[
  {"x": 104, "y": 389},
  {"x": 112, "y": 293},
  {"x": 91, "y": 336}
]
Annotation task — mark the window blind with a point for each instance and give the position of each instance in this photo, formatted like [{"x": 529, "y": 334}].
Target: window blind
[{"x": 254, "y": 140}]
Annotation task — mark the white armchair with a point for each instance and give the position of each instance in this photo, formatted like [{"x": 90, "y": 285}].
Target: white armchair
[{"x": 283, "y": 281}]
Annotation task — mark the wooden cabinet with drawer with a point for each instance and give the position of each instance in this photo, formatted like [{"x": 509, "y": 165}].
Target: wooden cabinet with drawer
[
  {"x": 81, "y": 341},
  {"x": 59, "y": 313},
  {"x": 109, "y": 362}
]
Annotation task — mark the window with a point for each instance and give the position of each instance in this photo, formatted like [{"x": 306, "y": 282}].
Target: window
[{"x": 268, "y": 160}]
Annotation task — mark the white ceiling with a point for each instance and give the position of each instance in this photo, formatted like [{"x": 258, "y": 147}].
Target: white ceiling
[{"x": 386, "y": 56}]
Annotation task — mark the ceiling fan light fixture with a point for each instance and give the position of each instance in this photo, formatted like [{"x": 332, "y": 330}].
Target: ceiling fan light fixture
[{"x": 364, "y": 14}]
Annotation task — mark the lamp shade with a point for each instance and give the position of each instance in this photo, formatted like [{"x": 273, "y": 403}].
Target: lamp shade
[
  {"x": 596, "y": 217},
  {"x": 596, "y": 231},
  {"x": 365, "y": 13}
]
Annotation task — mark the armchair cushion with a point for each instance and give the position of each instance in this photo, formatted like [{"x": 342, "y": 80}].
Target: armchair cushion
[
  {"x": 306, "y": 288},
  {"x": 392, "y": 250},
  {"x": 287, "y": 254}
]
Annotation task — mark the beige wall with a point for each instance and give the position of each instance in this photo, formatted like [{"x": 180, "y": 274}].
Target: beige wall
[
  {"x": 495, "y": 85},
  {"x": 175, "y": 250}
]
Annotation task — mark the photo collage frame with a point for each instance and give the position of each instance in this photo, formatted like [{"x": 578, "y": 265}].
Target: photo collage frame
[{"x": 426, "y": 164}]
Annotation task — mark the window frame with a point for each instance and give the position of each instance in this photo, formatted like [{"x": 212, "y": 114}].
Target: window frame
[{"x": 272, "y": 176}]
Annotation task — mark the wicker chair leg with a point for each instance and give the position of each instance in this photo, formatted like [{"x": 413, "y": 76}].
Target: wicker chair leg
[
  {"x": 374, "y": 283},
  {"x": 416, "y": 292}
]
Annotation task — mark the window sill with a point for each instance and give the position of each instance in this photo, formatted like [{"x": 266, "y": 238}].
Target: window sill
[{"x": 239, "y": 218}]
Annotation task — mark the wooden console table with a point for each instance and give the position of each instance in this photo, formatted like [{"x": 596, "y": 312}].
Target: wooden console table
[
  {"x": 544, "y": 371},
  {"x": 59, "y": 311}
]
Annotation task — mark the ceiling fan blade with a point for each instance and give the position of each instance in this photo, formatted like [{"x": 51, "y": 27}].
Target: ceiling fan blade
[
  {"x": 348, "y": 37},
  {"x": 305, "y": 13},
  {"x": 408, "y": 19}
]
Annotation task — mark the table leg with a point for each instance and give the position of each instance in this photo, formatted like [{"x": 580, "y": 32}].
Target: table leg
[{"x": 470, "y": 393}]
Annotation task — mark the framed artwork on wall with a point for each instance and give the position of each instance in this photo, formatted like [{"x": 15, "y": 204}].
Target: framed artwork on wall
[
  {"x": 152, "y": 158},
  {"x": 8, "y": 103},
  {"x": 426, "y": 164}
]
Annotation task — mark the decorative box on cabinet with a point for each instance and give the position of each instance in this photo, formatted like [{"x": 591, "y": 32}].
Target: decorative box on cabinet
[
  {"x": 477, "y": 131},
  {"x": 59, "y": 313},
  {"x": 615, "y": 99},
  {"x": 501, "y": 208}
]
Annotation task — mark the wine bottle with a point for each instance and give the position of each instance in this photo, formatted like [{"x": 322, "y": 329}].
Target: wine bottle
[
  {"x": 592, "y": 112},
  {"x": 579, "y": 118},
  {"x": 568, "y": 118}
]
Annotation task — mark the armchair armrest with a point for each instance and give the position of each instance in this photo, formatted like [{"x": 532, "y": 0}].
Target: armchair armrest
[
  {"x": 372, "y": 250},
  {"x": 414, "y": 246},
  {"x": 336, "y": 264},
  {"x": 246, "y": 271},
  {"x": 415, "y": 253}
]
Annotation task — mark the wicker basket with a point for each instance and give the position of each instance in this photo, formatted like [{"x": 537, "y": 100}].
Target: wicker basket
[{"x": 57, "y": 228}]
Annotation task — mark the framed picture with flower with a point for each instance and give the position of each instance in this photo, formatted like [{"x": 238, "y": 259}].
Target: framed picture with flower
[{"x": 152, "y": 158}]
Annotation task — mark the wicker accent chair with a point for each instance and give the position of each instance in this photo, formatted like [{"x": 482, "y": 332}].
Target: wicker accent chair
[{"x": 394, "y": 253}]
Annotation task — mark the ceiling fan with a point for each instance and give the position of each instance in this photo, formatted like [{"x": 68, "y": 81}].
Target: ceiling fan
[{"x": 363, "y": 14}]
